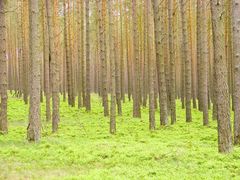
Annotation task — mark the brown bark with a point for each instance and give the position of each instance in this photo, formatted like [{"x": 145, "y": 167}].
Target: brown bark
[
  {"x": 223, "y": 111},
  {"x": 3, "y": 71},
  {"x": 34, "y": 126}
]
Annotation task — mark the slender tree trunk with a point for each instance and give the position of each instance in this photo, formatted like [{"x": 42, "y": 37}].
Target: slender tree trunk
[
  {"x": 83, "y": 71},
  {"x": 137, "y": 92},
  {"x": 112, "y": 66},
  {"x": 150, "y": 42},
  {"x": 46, "y": 64},
  {"x": 88, "y": 85},
  {"x": 223, "y": 111},
  {"x": 34, "y": 126},
  {"x": 172, "y": 62},
  {"x": 79, "y": 46},
  {"x": 199, "y": 52},
  {"x": 158, "y": 28},
  {"x": 185, "y": 49},
  {"x": 102, "y": 28},
  {"x": 204, "y": 63},
  {"x": 3, "y": 71}
]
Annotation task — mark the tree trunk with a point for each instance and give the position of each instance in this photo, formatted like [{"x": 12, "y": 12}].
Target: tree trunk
[
  {"x": 34, "y": 126},
  {"x": 88, "y": 85},
  {"x": 3, "y": 71},
  {"x": 223, "y": 111},
  {"x": 204, "y": 63},
  {"x": 137, "y": 91},
  {"x": 172, "y": 62},
  {"x": 150, "y": 57},
  {"x": 236, "y": 53},
  {"x": 186, "y": 58},
  {"x": 112, "y": 66},
  {"x": 158, "y": 28}
]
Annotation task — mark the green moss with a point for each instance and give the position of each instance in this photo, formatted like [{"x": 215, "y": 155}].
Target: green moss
[{"x": 84, "y": 149}]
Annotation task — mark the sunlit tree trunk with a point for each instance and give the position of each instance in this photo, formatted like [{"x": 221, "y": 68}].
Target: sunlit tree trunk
[
  {"x": 3, "y": 71},
  {"x": 172, "y": 62},
  {"x": 137, "y": 91},
  {"x": 204, "y": 63},
  {"x": 185, "y": 50},
  {"x": 34, "y": 126},
  {"x": 223, "y": 111},
  {"x": 236, "y": 56},
  {"x": 158, "y": 28},
  {"x": 112, "y": 66},
  {"x": 46, "y": 63},
  {"x": 102, "y": 28},
  {"x": 88, "y": 86},
  {"x": 150, "y": 57}
]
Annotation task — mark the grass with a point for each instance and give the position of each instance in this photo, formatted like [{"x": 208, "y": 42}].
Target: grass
[{"x": 84, "y": 149}]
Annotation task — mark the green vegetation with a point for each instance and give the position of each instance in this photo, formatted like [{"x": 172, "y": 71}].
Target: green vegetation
[{"x": 83, "y": 147}]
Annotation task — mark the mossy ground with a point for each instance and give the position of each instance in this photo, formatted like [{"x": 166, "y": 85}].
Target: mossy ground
[{"x": 84, "y": 149}]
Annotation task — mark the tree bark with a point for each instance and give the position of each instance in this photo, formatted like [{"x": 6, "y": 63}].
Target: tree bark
[
  {"x": 236, "y": 56},
  {"x": 223, "y": 111},
  {"x": 3, "y": 71},
  {"x": 34, "y": 126}
]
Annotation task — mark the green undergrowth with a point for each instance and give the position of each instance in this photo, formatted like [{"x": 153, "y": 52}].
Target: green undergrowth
[{"x": 84, "y": 149}]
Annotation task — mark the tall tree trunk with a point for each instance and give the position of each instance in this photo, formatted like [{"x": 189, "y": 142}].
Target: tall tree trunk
[
  {"x": 88, "y": 85},
  {"x": 199, "y": 52},
  {"x": 113, "y": 72},
  {"x": 172, "y": 62},
  {"x": 204, "y": 63},
  {"x": 34, "y": 126},
  {"x": 150, "y": 57},
  {"x": 46, "y": 63},
  {"x": 55, "y": 71},
  {"x": 80, "y": 48},
  {"x": 236, "y": 53},
  {"x": 83, "y": 71},
  {"x": 158, "y": 28},
  {"x": 137, "y": 92},
  {"x": 185, "y": 51},
  {"x": 223, "y": 111},
  {"x": 3, "y": 71},
  {"x": 102, "y": 28}
]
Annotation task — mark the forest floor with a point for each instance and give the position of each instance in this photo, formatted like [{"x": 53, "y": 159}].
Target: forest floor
[{"x": 84, "y": 149}]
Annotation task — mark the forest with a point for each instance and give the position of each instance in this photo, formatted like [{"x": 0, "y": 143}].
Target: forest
[{"x": 119, "y": 89}]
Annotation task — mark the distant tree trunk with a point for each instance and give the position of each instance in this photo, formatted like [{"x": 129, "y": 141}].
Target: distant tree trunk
[
  {"x": 158, "y": 20},
  {"x": 236, "y": 53},
  {"x": 150, "y": 57},
  {"x": 25, "y": 54},
  {"x": 137, "y": 91},
  {"x": 82, "y": 55},
  {"x": 204, "y": 63},
  {"x": 127, "y": 53},
  {"x": 185, "y": 49},
  {"x": 34, "y": 126},
  {"x": 172, "y": 62},
  {"x": 46, "y": 64},
  {"x": 79, "y": 55},
  {"x": 122, "y": 54},
  {"x": 112, "y": 66},
  {"x": 145, "y": 63},
  {"x": 199, "y": 52},
  {"x": 55, "y": 70},
  {"x": 223, "y": 111},
  {"x": 102, "y": 28},
  {"x": 3, "y": 71},
  {"x": 68, "y": 54},
  {"x": 117, "y": 57},
  {"x": 88, "y": 85}
]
